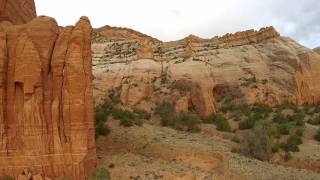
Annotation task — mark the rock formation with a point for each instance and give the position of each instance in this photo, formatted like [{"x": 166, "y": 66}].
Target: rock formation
[
  {"x": 250, "y": 66},
  {"x": 17, "y": 11},
  {"x": 46, "y": 112},
  {"x": 26, "y": 175},
  {"x": 146, "y": 50},
  {"x": 317, "y": 50},
  {"x": 110, "y": 33}
]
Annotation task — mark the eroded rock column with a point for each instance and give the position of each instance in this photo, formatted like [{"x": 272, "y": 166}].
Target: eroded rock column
[{"x": 46, "y": 112}]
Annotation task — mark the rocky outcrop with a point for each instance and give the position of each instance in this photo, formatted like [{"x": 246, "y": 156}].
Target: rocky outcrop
[
  {"x": 26, "y": 175},
  {"x": 250, "y": 36},
  {"x": 317, "y": 50},
  {"x": 17, "y": 11},
  {"x": 145, "y": 51},
  {"x": 247, "y": 67},
  {"x": 109, "y": 33},
  {"x": 46, "y": 112}
]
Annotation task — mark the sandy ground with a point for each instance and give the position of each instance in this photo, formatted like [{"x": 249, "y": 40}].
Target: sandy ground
[{"x": 153, "y": 152}]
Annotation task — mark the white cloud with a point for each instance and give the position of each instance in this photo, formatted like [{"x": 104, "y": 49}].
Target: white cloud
[{"x": 175, "y": 19}]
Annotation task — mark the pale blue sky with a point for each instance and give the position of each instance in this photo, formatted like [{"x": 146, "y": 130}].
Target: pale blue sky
[{"x": 174, "y": 19}]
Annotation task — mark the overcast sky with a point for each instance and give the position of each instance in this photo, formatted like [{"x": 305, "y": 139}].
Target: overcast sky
[{"x": 170, "y": 20}]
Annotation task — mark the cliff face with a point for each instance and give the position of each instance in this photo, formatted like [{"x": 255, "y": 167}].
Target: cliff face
[
  {"x": 250, "y": 66},
  {"x": 46, "y": 112},
  {"x": 17, "y": 11},
  {"x": 109, "y": 32},
  {"x": 317, "y": 50}
]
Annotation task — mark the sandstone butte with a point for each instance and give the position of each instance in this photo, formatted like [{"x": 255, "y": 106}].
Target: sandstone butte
[
  {"x": 46, "y": 112},
  {"x": 249, "y": 66}
]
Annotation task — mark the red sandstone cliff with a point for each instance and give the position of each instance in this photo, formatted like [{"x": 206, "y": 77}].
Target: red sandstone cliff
[
  {"x": 17, "y": 11},
  {"x": 46, "y": 112}
]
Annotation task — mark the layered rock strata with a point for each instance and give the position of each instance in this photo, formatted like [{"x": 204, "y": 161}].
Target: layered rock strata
[
  {"x": 46, "y": 112},
  {"x": 250, "y": 66}
]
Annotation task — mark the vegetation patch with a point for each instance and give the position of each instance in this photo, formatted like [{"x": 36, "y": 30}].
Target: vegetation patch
[
  {"x": 182, "y": 86},
  {"x": 257, "y": 143},
  {"x": 7, "y": 178},
  {"x": 292, "y": 144},
  {"x": 285, "y": 126},
  {"x": 315, "y": 120},
  {"x": 129, "y": 118},
  {"x": 109, "y": 108},
  {"x": 219, "y": 120},
  {"x": 317, "y": 136},
  {"x": 247, "y": 123},
  {"x": 183, "y": 121},
  {"x": 100, "y": 174},
  {"x": 101, "y": 128}
]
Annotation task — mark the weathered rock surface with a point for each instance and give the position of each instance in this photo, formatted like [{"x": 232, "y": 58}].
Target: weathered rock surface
[
  {"x": 109, "y": 32},
  {"x": 46, "y": 112},
  {"x": 26, "y": 175},
  {"x": 17, "y": 11},
  {"x": 250, "y": 66},
  {"x": 317, "y": 50}
]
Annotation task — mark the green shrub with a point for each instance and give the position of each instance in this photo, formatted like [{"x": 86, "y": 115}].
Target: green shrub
[
  {"x": 261, "y": 110},
  {"x": 235, "y": 150},
  {"x": 189, "y": 121},
  {"x": 307, "y": 108},
  {"x": 100, "y": 174},
  {"x": 138, "y": 122},
  {"x": 122, "y": 114},
  {"x": 300, "y": 122},
  {"x": 126, "y": 122},
  {"x": 236, "y": 115},
  {"x": 292, "y": 144},
  {"x": 127, "y": 118},
  {"x": 219, "y": 120},
  {"x": 317, "y": 109},
  {"x": 165, "y": 110},
  {"x": 114, "y": 95},
  {"x": 221, "y": 123},
  {"x": 7, "y": 178},
  {"x": 317, "y": 136},
  {"x": 142, "y": 114},
  {"x": 235, "y": 139},
  {"x": 247, "y": 123},
  {"x": 297, "y": 118},
  {"x": 209, "y": 119},
  {"x": 314, "y": 121},
  {"x": 257, "y": 144},
  {"x": 101, "y": 129},
  {"x": 283, "y": 129},
  {"x": 100, "y": 116},
  {"x": 287, "y": 156},
  {"x": 275, "y": 147},
  {"x": 279, "y": 118},
  {"x": 245, "y": 109},
  {"x": 299, "y": 132},
  {"x": 179, "y": 121},
  {"x": 294, "y": 139},
  {"x": 293, "y": 107}
]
